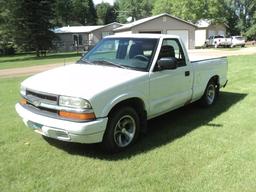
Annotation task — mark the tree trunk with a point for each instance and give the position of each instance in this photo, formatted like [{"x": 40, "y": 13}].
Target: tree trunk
[{"x": 37, "y": 53}]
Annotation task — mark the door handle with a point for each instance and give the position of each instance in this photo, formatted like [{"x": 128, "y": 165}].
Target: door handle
[{"x": 187, "y": 73}]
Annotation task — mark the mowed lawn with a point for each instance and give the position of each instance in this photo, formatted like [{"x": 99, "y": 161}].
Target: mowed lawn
[
  {"x": 190, "y": 149},
  {"x": 27, "y": 60}
]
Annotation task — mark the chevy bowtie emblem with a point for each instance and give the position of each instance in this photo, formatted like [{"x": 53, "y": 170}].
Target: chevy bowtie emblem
[{"x": 36, "y": 103}]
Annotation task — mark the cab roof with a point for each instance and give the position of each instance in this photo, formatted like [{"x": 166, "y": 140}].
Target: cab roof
[{"x": 143, "y": 35}]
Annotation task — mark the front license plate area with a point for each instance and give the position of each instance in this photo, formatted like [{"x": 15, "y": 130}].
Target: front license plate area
[{"x": 35, "y": 126}]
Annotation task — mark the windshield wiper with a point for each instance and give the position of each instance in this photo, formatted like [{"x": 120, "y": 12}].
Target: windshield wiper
[{"x": 108, "y": 63}]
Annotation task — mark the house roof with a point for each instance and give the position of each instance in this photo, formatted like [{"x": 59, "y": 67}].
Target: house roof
[
  {"x": 76, "y": 29},
  {"x": 203, "y": 23},
  {"x": 141, "y": 21},
  {"x": 81, "y": 29}
]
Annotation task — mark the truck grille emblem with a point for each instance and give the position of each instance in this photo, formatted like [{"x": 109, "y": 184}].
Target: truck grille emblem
[{"x": 36, "y": 103}]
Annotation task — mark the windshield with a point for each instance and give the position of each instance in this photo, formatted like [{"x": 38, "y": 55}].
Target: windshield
[
  {"x": 219, "y": 36},
  {"x": 132, "y": 53}
]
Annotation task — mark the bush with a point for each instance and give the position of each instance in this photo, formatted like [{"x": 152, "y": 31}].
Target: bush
[{"x": 251, "y": 33}]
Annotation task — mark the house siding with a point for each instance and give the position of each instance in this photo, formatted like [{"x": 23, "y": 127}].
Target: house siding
[
  {"x": 204, "y": 33},
  {"x": 65, "y": 41},
  {"x": 97, "y": 34},
  {"x": 217, "y": 29},
  {"x": 164, "y": 24}
]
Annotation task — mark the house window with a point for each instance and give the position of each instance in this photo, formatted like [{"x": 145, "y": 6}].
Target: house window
[
  {"x": 105, "y": 33},
  {"x": 77, "y": 39},
  {"x": 80, "y": 39}
]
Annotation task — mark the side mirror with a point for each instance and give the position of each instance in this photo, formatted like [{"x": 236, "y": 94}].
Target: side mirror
[{"x": 167, "y": 63}]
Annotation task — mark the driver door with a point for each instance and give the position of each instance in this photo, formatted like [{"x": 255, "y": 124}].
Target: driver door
[{"x": 170, "y": 89}]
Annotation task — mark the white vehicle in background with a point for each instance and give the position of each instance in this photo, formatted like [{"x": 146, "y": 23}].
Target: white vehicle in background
[
  {"x": 221, "y": 41},
  {"x": 111, "y": 92},
  {"x": 237, "y": 41},
  {"x": 218, "y": 41}
]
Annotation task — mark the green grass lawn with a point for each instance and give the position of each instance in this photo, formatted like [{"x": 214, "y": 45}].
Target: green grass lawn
[
  {"x": 190, "y": 149},
  {"x": 26, "y": 60}
]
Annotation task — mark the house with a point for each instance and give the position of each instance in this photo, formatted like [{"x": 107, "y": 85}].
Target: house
[
  {"x": 165, "y": 24},
  {"x": 207, "y": 28},
  {"x": 72, "y": 38}
]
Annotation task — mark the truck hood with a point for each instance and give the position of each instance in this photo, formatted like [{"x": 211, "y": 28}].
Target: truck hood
[{"x": 80, "y": 80}]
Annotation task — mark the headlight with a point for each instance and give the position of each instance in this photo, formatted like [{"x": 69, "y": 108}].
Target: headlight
[
  {"x": 22, "y": 90},
  {"x": 74, "y": 102}
]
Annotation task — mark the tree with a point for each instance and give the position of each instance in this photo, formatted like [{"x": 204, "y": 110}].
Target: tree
[
  {"x": 251, "y": 32},
  {"x": 105, "y": 13},
  {"x": 187, "y": 10},
  {"x": 245, "y": 10},
  {"x": 30, "y": 20},
  {"x": 237, "y": 14},
  {"x": 6, "y": 43},
  {"x": 84, "y": 12},
  {"x": 134, "y": 9},
  {"x": 63, "y": 12},
  {"x": 92, "y": 15}
]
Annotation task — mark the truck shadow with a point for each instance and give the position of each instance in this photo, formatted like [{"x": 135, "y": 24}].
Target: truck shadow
[{"x": 161, "y": 130}]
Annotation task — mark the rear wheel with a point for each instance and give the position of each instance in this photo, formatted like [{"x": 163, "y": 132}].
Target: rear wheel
[
  {"x": 210, "y": 94},
  {"x": 122, "y": 129}
]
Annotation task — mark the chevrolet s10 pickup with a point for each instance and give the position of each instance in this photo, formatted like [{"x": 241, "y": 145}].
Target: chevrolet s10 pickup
[{"x": 111, "y": 92}]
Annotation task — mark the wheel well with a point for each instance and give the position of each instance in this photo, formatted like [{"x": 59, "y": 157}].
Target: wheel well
[
  {"x": 135, "y": 103},
  {"x": 138, "y": 105},
  {"x": 215, "y": 79}
]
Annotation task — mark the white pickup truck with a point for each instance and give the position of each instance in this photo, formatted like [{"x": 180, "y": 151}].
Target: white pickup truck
[
  {"x": 218, "y": 41},
  {"x": 111, "y": 92}
]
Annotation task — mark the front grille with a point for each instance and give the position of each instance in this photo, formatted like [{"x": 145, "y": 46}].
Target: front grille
[
  {"x": 41, "y": 97},
  {"x": 42, "y": 111}
]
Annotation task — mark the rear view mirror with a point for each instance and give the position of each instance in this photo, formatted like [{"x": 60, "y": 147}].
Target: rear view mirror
[{"x": 167, "y": 63}]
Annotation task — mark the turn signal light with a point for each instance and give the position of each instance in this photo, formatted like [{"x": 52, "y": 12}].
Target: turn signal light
[
  {"x": 23, "y": 101},
  {"x": 78, "y": 116}
]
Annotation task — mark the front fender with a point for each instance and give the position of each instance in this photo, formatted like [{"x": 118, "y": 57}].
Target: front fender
[{"x": 123, "y": 97}]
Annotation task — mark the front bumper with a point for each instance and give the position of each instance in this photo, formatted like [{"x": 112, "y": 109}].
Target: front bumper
[{"x": 79, "y": 132}]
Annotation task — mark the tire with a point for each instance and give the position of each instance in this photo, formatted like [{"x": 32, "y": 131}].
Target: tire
[
  {"x": 215, "y": 45},
  {"x": 122, "y": 130},
  {"x": 210, "y": 94}
]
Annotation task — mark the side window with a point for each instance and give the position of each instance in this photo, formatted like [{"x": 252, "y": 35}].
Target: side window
[{"x": 172, "y": 48}]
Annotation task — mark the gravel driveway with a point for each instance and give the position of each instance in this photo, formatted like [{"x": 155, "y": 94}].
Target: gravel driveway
[{"x": 198, "y": 54}]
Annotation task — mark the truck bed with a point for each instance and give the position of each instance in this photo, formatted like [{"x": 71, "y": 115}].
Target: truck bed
[{"x": 202, "y": 55}]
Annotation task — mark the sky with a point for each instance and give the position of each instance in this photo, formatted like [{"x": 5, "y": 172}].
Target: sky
[{"x": 107, "y": 1}]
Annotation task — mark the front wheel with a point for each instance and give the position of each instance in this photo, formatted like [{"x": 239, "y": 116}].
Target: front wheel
[
  {"x": 122, "y": 129},
  {"x": 210, "y": 94}
]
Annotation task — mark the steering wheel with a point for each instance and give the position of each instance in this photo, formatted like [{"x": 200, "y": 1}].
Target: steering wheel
[{"x": 141, "y": 57}]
